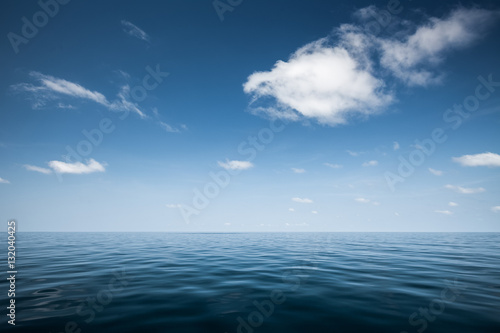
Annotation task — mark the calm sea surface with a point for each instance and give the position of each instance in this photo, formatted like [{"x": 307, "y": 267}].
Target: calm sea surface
[{"x": 255, "y": 282}]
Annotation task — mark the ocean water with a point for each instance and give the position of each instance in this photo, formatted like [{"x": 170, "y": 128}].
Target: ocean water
[{"x": 255, "y": 282}]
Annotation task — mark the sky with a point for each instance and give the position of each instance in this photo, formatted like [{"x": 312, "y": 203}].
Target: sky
[{"x": 250, "y": 116}]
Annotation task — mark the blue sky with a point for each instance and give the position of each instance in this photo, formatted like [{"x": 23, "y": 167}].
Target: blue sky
[{"x": 119, "y": 116}]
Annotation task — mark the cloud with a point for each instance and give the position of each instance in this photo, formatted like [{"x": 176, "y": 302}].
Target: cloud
[
  {"x": 302, "y": 200},
  {"x": 320, "y": 81},
  {"x": 291, "y": 210},
  {"x": 235, "y": 165},
  {"x": 51, "y": 88},
  {"x": 347, "y": 73},
  {"x": 171, "y": 129},
  {"x": 173, "y": 205},
  {"x": 314, "y": 211},
  {"x": 436, "y": 172},
  {"x": 362, "y": 200},
  {"x": 134, "y": 31},
  {"x": 464, "y": 190},
  {"x": 298, "y": 170},
  {"x": 370, "y": 163},
  {"x": 485, "y": 159},
  {"x": 4, "y": 181},
  {"x": 445, "y": 212},
  {"x": 410, "y": 58},
  {"x": 452, "y": 204},
  {"x": 495, "y": 209},
  {"x": 395, "y": 145},
  {"x": 37, "y": 169},
  {"x": 333, "y": 166},
  {"x": 77, "y": 167},
  {"x": 354, "y": 153}
]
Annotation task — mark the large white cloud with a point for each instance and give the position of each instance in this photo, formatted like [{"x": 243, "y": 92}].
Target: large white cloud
[
  {"x": 485, "y": 159},
  {"x": 345, "y": 74}
]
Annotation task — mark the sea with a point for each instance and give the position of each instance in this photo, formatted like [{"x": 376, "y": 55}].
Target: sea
[{"x": 253, "y": 282}]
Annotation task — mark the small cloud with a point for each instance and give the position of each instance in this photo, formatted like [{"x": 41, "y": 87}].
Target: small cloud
[
  {"x": 395, "y": 145},
  {"x": 173, "y": 205},
  {"x": 445, "y": 212},
  {"x": 4, "y": 181},
  {"x": 485, "y": 159},
  {"x": 362, "y": 200},
  {"x": 495, "y": 209},
  {"x": 298, "y": 170},
  {"x": 134, "y": 31},
  {"x": 333, "y": 166},
  {"x": 396, "y": 213},
  {"x": 291, "y": 210},
  {"x": 302, "y": 200},
  {"x": 65, "y": 106},
  {"x": 236, "y": 165},
  {"x": 354, "y": 153},
  {"x": 37, "y": 169},
  {"x": 452, "y": 204},
  {"x": 436, "y": 172},
  {"x": 227, "y": 223},
  {"x": 77, "y": 167},
  {"x": 170, "y": 128},
  {"x": 464, "y": 190},
  {"x": 314, "y": 211},
  {"x": 370, "y": 163},
  {"x": 376, "y": 203}
]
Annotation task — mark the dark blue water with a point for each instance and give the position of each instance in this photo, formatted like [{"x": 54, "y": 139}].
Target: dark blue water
[{"x": 256, "y": 282}]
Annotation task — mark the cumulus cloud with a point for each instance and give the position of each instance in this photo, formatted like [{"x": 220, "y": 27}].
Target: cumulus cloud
[
  {"x": 51, "y": 88},
  {"x": 485, "y": 159},
  {"x": 436, "y": 172},
  {"x": 291, "y": 210},
  {"x": 302, "y": 200},
  {"x": 298, "y": 170},
  {"x": 370, "y": 163},
  {"x": 444, "y": 212},
  {"x": 452, "y": 204},
  {"x": 4, "y": 181},
  {"x": 333, "y": 166},
  {"x": 236, "y": 165},
  {"x": 77, "y": 167},
  {"x": 343, "y": 75},
  {"x": 134, "y": 31},
  {"x": 37, "y": 169},
  {"x": 320, "y": 81},
  {"x": 464, "y": 190},
  {"x": 495, "y": 209},
  {"x": 314, "y": 211}
]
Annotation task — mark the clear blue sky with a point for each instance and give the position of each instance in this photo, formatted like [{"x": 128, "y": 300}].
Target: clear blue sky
[{"x": 337, "y": 95}]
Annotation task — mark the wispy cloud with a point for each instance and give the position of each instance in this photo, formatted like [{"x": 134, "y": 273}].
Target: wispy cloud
[
  {"x": 444, "y": 212},
  {"x": 37, "y": 169},
  {"x": 77, "y": 167},
  {"x": 452, "y": 204},
  {"x": 333, "y": 166},
  {"x": 395, "y": 145},
  {"x": 343, "y": 75},
  {"x": 464, "y": 190},
  {"x": 362, "y": 200},
  {"x": 51, "y": 88},
  {"x": 370, "y": 163},
  {"x": 295, "y": 170},
  {"x": 4, "y": 181},
  {"x": 236, "y": 165},
  {"x": 173, "y": 205},
  {"x": 436, "y": 172},
  {"x": 495, "y": 209},
  {"x": 172, "y": 129},
  {"x": 291, "y": 210},
  {"x": 302, "y": 200},
  {"x": 314, "y": 212},
  {"x": 485, "y": 159},
  {"x": 134, "y": 31}
]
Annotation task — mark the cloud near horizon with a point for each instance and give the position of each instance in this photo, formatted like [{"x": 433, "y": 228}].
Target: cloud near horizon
[
  {"x": 485, "y": 159},
  {"x": 344, "y": 75}
]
